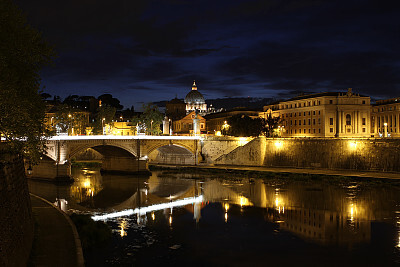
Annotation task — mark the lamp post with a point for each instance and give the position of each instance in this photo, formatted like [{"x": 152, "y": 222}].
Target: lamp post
[{"x": 151, "y": 127}]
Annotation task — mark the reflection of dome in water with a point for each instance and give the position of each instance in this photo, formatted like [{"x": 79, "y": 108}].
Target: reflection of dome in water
[{"x": 194, "y": 96}]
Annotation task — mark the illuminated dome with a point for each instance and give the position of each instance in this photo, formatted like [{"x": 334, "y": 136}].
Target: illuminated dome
[
  {"x": 194, "y": 96},
  {"x": 194, "y": 100}
]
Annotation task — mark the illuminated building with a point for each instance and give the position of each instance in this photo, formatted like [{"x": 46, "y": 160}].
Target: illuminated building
[
  {"x": 386, "y": 111},
  {"x": 185, "y": 125},
  {"x": 194, "y": 100},
  {"x": 330, "y": 114}
]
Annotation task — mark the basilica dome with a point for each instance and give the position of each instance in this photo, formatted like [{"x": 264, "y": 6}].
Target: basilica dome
[
  {"x": 194, "y": 101},
  {"x": 194, "y": 96}
]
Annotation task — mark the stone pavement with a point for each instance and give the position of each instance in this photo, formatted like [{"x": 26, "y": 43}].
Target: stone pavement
[
  {"x": 347, "y": 173},
  {"x": 56, "y": 239}
]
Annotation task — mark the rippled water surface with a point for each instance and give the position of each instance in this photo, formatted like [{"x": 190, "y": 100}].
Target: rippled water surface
[{"x": 230, "y": 219}]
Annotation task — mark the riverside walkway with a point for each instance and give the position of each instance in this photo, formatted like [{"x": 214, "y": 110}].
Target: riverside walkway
[
  {"x": 56, "y": 240},
  {"x": 347, "y": 173}
]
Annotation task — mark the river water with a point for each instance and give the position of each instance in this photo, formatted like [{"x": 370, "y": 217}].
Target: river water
[{"x": 202, "y": 218}]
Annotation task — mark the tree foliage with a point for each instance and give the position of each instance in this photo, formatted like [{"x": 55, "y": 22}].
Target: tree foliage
[
  {"x": 149, "y": 122},
  {"x": 70, "y": 120},
  {"x": 243, "y": 125},
  {"x": 23, "y": 52},
  {"x": 105, "y": 115},
  {"x": 271, "y": 123}
]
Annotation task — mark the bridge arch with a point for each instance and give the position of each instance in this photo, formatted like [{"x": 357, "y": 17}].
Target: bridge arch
[
  {"x": 172, "y": 154},
  {"x": 104, "y": 149}
]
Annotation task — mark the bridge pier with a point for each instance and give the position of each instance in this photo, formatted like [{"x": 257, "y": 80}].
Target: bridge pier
[
  {"x": 124, "y": 165},
  {"x": 50, "y": 170}
]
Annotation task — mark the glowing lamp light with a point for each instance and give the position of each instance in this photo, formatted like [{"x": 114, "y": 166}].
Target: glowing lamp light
[
  {"x": 279, "y": 144},
  {"x": 353, "y": 145}
]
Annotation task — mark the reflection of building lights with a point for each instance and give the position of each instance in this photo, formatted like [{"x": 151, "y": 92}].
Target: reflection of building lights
[
  {"x": 244, "y": 201},
  {"x": 353, "y": 211},
  {"x": 153, "y": 216},
  {"x": 170, "y": 220},
  {"x": 226, "y": 217},
  {"x": 123, "y": 225},
  {"x": 226, "y": 206}
]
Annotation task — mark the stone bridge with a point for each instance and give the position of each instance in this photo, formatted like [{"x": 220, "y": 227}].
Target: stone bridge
[{"x": 131, "y": 154}]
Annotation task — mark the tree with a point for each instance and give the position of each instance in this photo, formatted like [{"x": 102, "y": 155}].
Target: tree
[
  {"x": 23, "y": 52},
  {"x": 71, "y": 120},
  {"x": 108, "y": 100},
  {"x": 105, "y": 115},
  {"x": 271, "y": 123},
  {"x": 149, "y": 121},
  {"x": 243, "y": 125}
]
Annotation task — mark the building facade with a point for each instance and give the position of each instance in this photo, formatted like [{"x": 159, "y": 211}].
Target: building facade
[
  {"x": 385, "y": 117},
  {"x": 185, "y": 125},
  {"x": 330, "y": 114}
]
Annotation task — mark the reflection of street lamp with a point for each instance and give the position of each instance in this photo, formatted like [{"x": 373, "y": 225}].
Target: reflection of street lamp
[
  {"x": 102, "y": 124},
  {"x": 151, "y": 127}
]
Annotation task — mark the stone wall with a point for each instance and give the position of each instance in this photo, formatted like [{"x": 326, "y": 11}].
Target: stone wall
[
  {"x": 216, "y": 147},
  {"x": 331, "y": 153},
  {"x": 16, "y": 221},
  {"x": 252, "y": 153},
  {"x": 354, "y": 154}
]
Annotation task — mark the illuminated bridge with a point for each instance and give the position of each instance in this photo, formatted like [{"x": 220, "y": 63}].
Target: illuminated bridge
[{"x": 130, "y": 154}]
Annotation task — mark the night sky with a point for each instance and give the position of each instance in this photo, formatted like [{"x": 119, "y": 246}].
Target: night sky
[{"x": 143, "y": 51}]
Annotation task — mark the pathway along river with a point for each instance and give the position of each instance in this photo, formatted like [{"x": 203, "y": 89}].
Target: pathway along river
[{"x": 230, "y": 219}]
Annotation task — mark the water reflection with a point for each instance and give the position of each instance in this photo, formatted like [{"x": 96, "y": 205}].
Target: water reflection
[{"x": 320, "y": 211}]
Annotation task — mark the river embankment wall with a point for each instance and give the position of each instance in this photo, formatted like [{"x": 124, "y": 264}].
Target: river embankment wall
[
  {"x": 378, "y": 154},
  {"x": 16, "y": 220}
]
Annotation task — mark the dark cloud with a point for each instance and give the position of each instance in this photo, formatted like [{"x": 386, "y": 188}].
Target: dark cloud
[{"x": 152, "y": 50}]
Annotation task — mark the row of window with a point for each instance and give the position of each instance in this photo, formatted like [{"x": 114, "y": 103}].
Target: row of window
[
  {"x": 309, "y": 104},
  {"x": 304, "y": 113}
]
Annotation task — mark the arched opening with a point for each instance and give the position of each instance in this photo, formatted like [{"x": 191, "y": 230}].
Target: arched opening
[{"x": 172, "y": 154}]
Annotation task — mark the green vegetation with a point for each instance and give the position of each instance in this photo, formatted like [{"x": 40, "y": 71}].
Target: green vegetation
[
  {"x": 23, "y": 52},
  {"x": 150, "y": 121}
]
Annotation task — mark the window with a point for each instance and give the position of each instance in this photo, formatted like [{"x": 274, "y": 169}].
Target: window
[
  {"x": 319, "y": 120},
  {"x": 363, "y": 130},
  {"x": 304, "y": 113},
  {"x": 313, "y": 112},
  {"x": 319, "y": 102},
  {"x": 319, "y": 130},
  {"x": 348, "y": 119},
  {"x": 363, "y": 102},
  {"x": 309, "y": 130},
  {"x": 330, "y": 121},
  {"x": 363, "y": 121},
  {"x": 299, "y": 122},
  {"x": 304, "y": 130},
  {"x": 295, "y": 131},
  {"x": 331, "y": 130},
  {"x": 319, "y": 112},
  {"x": 313, "y": 121},
  {"x": 330, "y": 101},
  {"x": 314, "y": 130},
  {"x": 299, "y": 113},
  {"x": 309, "y": 121},
  {"x": 304, "y": 122}
]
